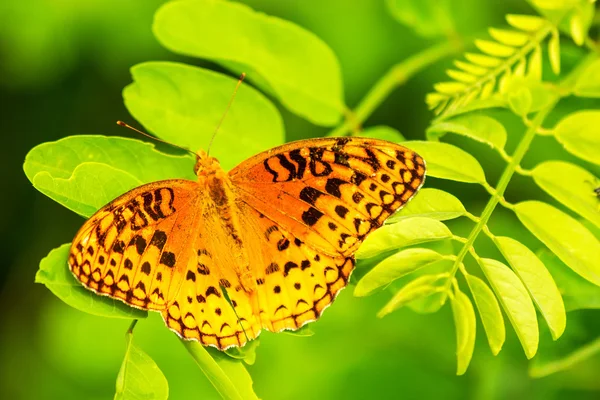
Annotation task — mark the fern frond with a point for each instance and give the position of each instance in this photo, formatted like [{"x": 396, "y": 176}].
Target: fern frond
[{"x": 512, "y": 52}]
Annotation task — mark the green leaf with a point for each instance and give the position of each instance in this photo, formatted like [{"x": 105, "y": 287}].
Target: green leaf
[
  {"x": 464, "y": 322},
  {"x": 431, "y": 203},
  {"x": 382, "y": 132},
  {"x": 446, "y": 161},
  {"x": 280, "y": 57},
  {"x": 84, "y": 173},
  {"x": 554, "y": 51},
  {"x": 538, "y": 282},
  {"x": 509, "y": 37},
  {"x": 402, "y": 263},
  {"x": 534, "y": 70},
  {"x": 406, "y": 232},
  {"x": 418, "y": 288},
  {"x": 478, "y": 127},
  {"x": 428, "y": 18},
  {"x": 490, "y": 313},
  {"x": 304, "y": 331},
  {"x": 578, "y": 133},
  {"x": 222, "y": 371},
  {"x": 571, "y": 185},
  {"x": 520, "y": 101},
  {"x": 527, "y": 23},
  {"x": 184, "y": 104},
  {"x": 246, "y": 353},
  {"x": 494, "y": 49},
  {"x": 139, "y": 377},
  {"x": 565, "y": 236},
  {"x": 515, "y": 301},
  {"x": 55, "y": 275},
  {"x": 577, "y": 293},
  {"x": 526, "y": 95},
  {"x": 588, "y": 82}
]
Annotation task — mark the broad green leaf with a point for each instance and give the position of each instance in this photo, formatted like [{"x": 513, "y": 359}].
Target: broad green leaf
[
  {"x": 406, "y": 232},
  {"x": 383, "y": 132},
  {"x": 490, "y": 313},
  {"x": 446, "y": 161},
  {"x": 431, "y": 203},
  {"x": 402, "y": 263},
  {"x": 184, "y": 104},
  {"x": 418, "y": 288},
  {"x": 577, "y": 293},
  {"x": 515, "y": 301},
  {"x": 578, "y": 133},
  {"x": 229, "y": 377},
  {"x": 464, "y": 322},
  {"x": 139, "y": 377},
  {"x": 538, "y": 282},
  {"x": 485, "y": 102},
  {"x": 282, "y": 58},
  {"x": 526, "y": 95},
  {"x": 246, "y": 353},
  {"x": 571, "y": 185},
  {"x": 54, "y": 273},
  {"x": 428, "y": 18},
  {"x": 434, "y": 302},
  {"x": 565, "y": 236},
  {"x": 527, "y": 23},
  {"x": 520, "y": 101},
  {"x": 478, "y": 127},
  {"x": 83, "y": 173},
  {"x": 554, "y": 52},
  {"x": 588, "y": 82}
]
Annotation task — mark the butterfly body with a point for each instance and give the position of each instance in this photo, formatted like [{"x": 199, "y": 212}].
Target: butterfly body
[{"x": 268, "y": 245}]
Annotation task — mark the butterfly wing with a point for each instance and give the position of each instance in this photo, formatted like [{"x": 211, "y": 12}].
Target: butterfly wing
[
  {"x": 148, "y": 249},
  {"x": 312, "y": 203}
]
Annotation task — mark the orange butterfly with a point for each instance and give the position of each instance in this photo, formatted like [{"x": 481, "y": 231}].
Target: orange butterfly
[{"x": 268, "y": 245}]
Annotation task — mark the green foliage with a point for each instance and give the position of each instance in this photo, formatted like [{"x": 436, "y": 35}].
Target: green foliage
[
  {"x": 416, "y": 257},
  {"x": 139, "y": 377}
]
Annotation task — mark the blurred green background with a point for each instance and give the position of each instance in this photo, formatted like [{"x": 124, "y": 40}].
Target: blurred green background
[{"x": 63, "y": 65}]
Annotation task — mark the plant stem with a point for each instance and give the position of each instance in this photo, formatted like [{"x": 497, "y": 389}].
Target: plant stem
[
  {"x": 575, "y": 357},
  {"x": 396, "y": 76}
]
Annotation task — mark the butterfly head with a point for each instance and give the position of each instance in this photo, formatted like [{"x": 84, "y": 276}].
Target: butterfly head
[{"x": 205, "y": 164}]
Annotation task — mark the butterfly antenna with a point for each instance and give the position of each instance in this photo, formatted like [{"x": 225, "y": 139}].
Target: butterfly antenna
[
  {"x": 242, "y": 76},
  {"x": 121, "y": 123}
]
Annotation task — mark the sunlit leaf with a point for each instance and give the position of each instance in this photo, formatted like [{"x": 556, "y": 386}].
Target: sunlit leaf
[
  {"x": 470, "y": 68},
  {"x": 538, "y": 282},
  {"x": 490, "y": 313},
  {"x": 509, "y": 37},
  {"x": 184, "y": 104},
  {"x": 494, "y": 49},
  {"x": 534, "y": 70},
  {"x": 305, "y": 331},
  {"x": 588, "y": 82},
  {"x": 577, "y": 293},
  {"x": 478, "y": 127},
  {"x": 396, "y": 266},
  {"x": 464, "y": 322},
  {"x": 565, "y": 236},
  {"x": 446, "y": 161},
  {"x": 528, "y": 23},
  {"x": 418, "y": 288},
  {"x": 461, "y": 76},
  {"x": 515, "y": 301},
  {"x": 83, "y": 173},
  {"x": 526, "y": 95},
  {"x": 383, "y": 133},
  {"x": 431, "y": 203},
  {"x": 571, "y": 185},
  {"x": 578, "y": 133},
  {"x": 449, "y": 88},
  {"x": 520, "y": 101},
  {"x": 139, "y": 377},
  {"x": 55, "y": 275},
  {"x": 554, "y": 52},
  {"x": 483, "y": 60},
  {"x": 280, "y": 57},
  {"x": 246, "y": 353}
]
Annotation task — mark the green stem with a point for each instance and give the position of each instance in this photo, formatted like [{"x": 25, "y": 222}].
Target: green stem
[
  {"x": 217, "y": 377},
  {"x": 395, "y": 77},
  {"x": 567, "y": 362}
]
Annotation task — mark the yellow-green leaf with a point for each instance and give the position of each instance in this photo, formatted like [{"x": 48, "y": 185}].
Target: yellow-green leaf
[
  {"x": 418, "y": 288},
  {"x": 464, "y": 323},
  {"x": 515, "y": 301},
  {"x": 554, "y": 52},
  {"x": 588, "y": 82},
  {"x": 490, "y": 313},
  {"x": 578, "y": 133},
  {"x": 478, "y": 127},
  {"x": 528, "y": 23},
  {"x": 538, "y": 282},
  {"x": 431, "y": 203}
]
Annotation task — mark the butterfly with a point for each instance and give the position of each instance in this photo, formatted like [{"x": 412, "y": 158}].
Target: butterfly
[{"x": 268, "y": 245}]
